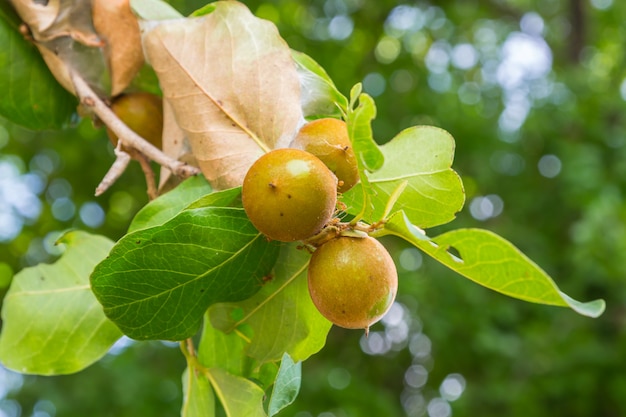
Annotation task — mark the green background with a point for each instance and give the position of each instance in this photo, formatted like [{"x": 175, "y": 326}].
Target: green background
[{"x": 551, "y": 182}]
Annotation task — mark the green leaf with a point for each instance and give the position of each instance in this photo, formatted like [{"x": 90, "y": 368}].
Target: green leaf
[
  {"x": 198, "y": 397},
  {"x": 154, "y": 10},
  {"x": 281, "y": 317},
  {"x": 204, "y": 10},
  {"x": 52, "y": 323},
  {"x": 158, "y": 282},
  {"x": 219, "y": 349},
  {"x": 162, "y": 209},
  {"x": 422, "y": 156},
  {"x": 319, "y": 95},
  {"x": 31, "y": 96},
  {"x": 368, "y": 154},
  {"x": 287, "y": 385},
  {"x": 239, "y": 396},
  {"x": 493, "y": 262},
  {"x": 225, "y": 198}
]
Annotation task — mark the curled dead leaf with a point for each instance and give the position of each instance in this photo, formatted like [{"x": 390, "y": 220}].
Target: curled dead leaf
[
  {"x": 116, "y": 24},
  {"x": 58, "y": 18},
  {"x": 233, "y": 85},
  {"x": 38, "y": 16}
]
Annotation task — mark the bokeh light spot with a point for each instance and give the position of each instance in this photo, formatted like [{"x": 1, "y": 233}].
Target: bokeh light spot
[
  {"x": 549, "y": 166},
  {"x": 340, "y": 27},
  {"x": 483, "y": 208},
  {"x": 532, "y": 24},
  {"x": 92, "y": 214},
  {"x": 416, "y": 376},
  {"x": 339, "y": 378},
  {"x": 374, "y": 84},
  {"x": 452, "y": 387},
  {"x": 420, "y": 346},
  {"x": 10, "y": 225},
  {"x": 438, "y": 407},
  {"x": 375, "y": 343},
  {"x": 387, "y": 50},
  {"x": 63, "y": 209},
  {"x": 464, "y": 56},
  {"x": 410, "y": 259}
]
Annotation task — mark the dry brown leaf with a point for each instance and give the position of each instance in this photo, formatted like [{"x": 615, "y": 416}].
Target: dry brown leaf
[
  {"x": 59, "y": 18},
  {"x": 65, "y": 36},
  {"x": 175, "y": 143},
  {"x": 116, "y": 24},
  {"x": 233, "y": 86},
  {"x": 37, "y": 16},
  {"x": 64, "y": 54},
  {"x": 57, "y": 67}
]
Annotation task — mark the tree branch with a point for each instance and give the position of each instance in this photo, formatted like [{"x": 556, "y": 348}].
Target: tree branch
[
  {"x": 128, "y": 137},
  {"x": 122, "y": 159}
]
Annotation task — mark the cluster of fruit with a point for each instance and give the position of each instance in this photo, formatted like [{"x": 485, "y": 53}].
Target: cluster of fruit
[{"x": 290, "y": 194}]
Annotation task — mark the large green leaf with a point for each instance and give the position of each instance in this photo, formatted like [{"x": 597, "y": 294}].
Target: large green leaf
[
  {"x": 157, "y": 282},
  {"x": 319, "y": 95},
  {"x": 162, "y": 209},
  {"x": 281, "y": 317},
  {"x": 493, "y": 262},
  {"x": 421, "y": 157},
  {"x": 198, "y": 397},
  {"x": 52, "y": 323},
  {"x": 31, "y": 96},
  {"x": 224, "y": 350},
  {"x": 228, "y": 351},
  {"x": 239, "y": 396},
  {"x": 287, "y": 385}
]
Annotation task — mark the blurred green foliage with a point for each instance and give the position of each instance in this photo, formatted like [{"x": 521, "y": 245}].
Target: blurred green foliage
[{"x": 533, "y": 92}]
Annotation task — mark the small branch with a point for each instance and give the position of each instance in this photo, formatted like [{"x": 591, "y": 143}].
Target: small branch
[
  {"x": 149, "y": 174},
  {"x": 189, "y": 347},
  {"x": 122, "y": 160},
  {"x": 128, "y": 137}
]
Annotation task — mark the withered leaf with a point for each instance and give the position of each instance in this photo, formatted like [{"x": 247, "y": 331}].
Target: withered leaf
[
  {"x": 58, "y": 18},
  {"x": 233, "y": 85},
  {"x": 175, "y": 145},
  {"x": 117, "y": 26},
  {"x": 37, "y": 16}
]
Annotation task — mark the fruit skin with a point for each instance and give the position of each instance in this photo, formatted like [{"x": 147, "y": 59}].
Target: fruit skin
[
  {"x": 328, "y": 140},
  {"x": 143, "y": 113},
  {"x": 289, "y": 194},
  {"x": 352, "y": 281}
]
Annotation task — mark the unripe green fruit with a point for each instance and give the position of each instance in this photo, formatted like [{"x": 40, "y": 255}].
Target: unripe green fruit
[
  {"x": 328, "y": 140},
  {"x": 352, "y": 281},
  {"x": 143, "y": 113},
  {"x": 289, "y": 194}
]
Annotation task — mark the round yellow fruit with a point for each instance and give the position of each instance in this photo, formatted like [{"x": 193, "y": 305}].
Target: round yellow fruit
[
  {"x": 143, "y": 113},
  {"x": 352, "y": 281},
  {"x": 289, "y": 194},
  {"x": 328, "y": 140}
]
